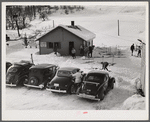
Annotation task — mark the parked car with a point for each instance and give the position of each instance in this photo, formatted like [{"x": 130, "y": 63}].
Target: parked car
[
  {"x": 18, "y": 73},
  {"x": 62, "y": 81},
  {"x": 8, "y": 64},
  {"x": 40, "y": 75},
  {"x": 96, "y": 84}
]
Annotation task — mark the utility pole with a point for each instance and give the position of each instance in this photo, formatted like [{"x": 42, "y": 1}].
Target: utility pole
[{"x": 118, "y": 28}]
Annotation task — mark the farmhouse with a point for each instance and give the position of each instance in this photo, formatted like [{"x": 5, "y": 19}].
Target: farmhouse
[{"x": 64, "y": 37}]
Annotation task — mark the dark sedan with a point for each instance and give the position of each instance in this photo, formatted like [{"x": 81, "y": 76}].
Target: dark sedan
[
  {"x": 62, "y": 81},
  {"x": 96, "y": 84},
  {"x": 40, "y": 75},
  {"x": 18, "y": 73}
]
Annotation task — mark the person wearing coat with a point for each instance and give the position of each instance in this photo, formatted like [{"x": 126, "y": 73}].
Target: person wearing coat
[
  {"x": 73, "y": 52},
  {"x": 132, "y": 49}
]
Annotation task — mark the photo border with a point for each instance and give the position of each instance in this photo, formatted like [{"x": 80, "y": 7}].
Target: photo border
[{"x": 63, "y": 115}]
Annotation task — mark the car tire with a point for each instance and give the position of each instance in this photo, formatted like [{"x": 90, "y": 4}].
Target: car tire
[
  {"x": 72, "y": 89},
  {"x": 112, "y": 81},
  {"x": 34, "y": 81},
  {"x": 69, "y": 90},
  {"x": 24, "y": 81},
  {"x": 101, "y": 94}
]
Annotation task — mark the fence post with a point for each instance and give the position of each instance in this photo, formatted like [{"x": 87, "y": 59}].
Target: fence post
[
  {"x": 102, "y": 58},
  {"x": 112, "y": 58}
]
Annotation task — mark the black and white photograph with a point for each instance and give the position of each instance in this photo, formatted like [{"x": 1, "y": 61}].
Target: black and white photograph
[{"x": 75, "y": 60}]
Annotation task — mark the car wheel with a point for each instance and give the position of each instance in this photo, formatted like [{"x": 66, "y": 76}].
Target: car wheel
[
  {"x": 24, "y": 81},
  {"x": 101, "y": 94},
  {"x": 72, "y": 89},
  {"x": 69, "y": 90},
  {"x": 33, "y": 81},
  {"x": 112, "y": 82}
]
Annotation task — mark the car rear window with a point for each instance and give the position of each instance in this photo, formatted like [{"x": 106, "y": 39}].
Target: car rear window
[
  {"x": 64, "y": 73},
  {"x": 100, "y": 78},
  {"x": 13, "y": 69}
]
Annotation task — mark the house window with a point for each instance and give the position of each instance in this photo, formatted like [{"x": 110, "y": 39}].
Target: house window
[
  {"x": 57, "y": 44},
  {"x": 49, "y": 45},
  {"x": 43, "y": 44},
  {"x": 54, "y": 45}
]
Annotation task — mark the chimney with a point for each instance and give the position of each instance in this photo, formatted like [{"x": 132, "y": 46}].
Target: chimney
[{"x": 72, "y": 23}]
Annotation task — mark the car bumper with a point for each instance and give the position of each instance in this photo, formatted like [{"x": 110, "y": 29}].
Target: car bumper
[
  {"x": 11, "y": 84},
  {"x": 39, "y": 87},
  {"x": 59, "y": 91},
  {"x": 88, "y": 96}
]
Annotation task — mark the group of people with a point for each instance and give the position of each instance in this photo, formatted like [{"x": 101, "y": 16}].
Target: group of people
[
  {"x": 86, "y": 51},
  {"x": 132, "y": 48}
]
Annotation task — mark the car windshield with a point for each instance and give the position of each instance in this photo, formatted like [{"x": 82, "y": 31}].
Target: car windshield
[
  {"x": 13, "y": 69},
  {"x": 64, "y": 73},
  {"x": 98, "y": 78}
]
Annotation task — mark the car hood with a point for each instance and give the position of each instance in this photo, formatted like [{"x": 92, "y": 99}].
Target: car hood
[
  {"x": 61, "y": 81},
  {"x": 90, "y": 88}
]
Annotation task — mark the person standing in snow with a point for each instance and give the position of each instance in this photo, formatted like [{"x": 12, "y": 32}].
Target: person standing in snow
[
  {"x": 73, "y": 52},
  {"x": 90, "y": 50},
  {"x": 25, "y": 41},
  {"x": 139, "y": 52},
  {"x": 81, "y": 49},
  {"x": 132, "y": 49},
  {"x": 86, "y": 51},
  {"x": 55, "y": 49}
]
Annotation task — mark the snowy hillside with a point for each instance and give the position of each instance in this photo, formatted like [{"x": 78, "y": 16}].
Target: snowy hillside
[{"x": 101, "y": 20}]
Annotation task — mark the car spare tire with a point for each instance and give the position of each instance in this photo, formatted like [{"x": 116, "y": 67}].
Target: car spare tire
[
  {"x": 112, "y": 81},
  {"x": 101, "y": 94},
  {"x": 33, "y": 81}
]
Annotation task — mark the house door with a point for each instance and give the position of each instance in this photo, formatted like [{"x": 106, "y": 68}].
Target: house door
[{"x": 71, "y": 45}]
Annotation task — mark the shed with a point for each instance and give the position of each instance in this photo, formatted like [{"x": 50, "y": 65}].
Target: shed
[{"x": 63, "y": 38}]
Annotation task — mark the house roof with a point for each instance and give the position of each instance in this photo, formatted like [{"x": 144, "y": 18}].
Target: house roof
[{"x": 76, "y": 30}]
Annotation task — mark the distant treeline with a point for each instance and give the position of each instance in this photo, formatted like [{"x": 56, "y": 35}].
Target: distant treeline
[{"x": 21, "y": 15}]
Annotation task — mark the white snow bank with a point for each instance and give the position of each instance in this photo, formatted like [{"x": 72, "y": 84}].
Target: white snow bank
[{"x": 135, "y": 102}]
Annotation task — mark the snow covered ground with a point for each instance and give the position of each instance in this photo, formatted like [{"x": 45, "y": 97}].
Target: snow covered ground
[
  {"x": 103, "y": 22},
  {"x": 125, "y": 72}
]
